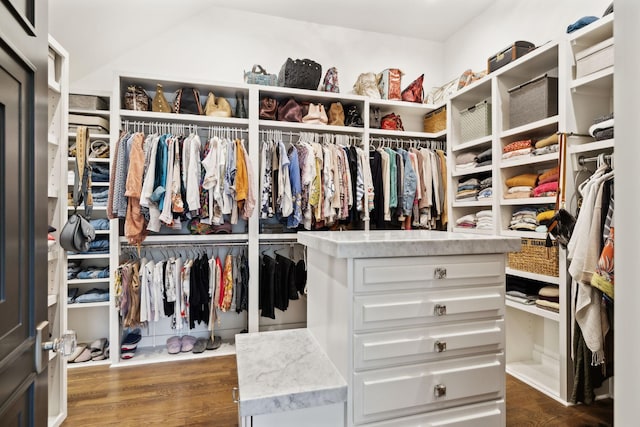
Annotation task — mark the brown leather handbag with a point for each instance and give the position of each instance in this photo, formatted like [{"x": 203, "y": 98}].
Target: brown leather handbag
[
  {"x": 137, "y": 99},
  {"x": 414, "y": 92},
  {"x": 268, "y": 109},
  {"x": 336, "y": 114},
  {"x": 290, "y": 111}
]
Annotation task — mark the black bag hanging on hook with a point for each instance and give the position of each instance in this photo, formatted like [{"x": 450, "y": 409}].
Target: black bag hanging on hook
[{"x": 563, "y": 222}]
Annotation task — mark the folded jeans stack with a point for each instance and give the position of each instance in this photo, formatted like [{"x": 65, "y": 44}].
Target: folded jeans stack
[
  {"x": 99, "y": 172},
  {"x": 93, "y": 295}
]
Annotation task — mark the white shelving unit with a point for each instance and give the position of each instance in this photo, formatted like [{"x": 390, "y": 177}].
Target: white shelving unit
[
  {"x": 89, "y": 320},
  {"x": 56, "y": 263}
]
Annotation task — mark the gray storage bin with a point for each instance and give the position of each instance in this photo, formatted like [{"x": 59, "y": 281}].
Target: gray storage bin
[
  {"x": 595, "y": 58},
  {"x": 88, "y": 102},
  {"x": 534, "y": 100},
  {"x": 475, "y": 121}
]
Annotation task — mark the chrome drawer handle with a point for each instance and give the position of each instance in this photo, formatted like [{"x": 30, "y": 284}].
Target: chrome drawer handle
[
  {"x": 440, "y": 390},
  {"x": 440, "y": 273},
  {"x": 439, "y": 310},
  {"x": 440, "y": 346},
  {"x": 234, "y": 395}
]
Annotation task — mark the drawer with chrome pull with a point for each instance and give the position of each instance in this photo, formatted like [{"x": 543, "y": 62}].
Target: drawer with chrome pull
[
  {"x": 392, "y": 274},
  {"x": 414, "y": 345},
  {"x": 413, "y": 389},
  {"x": 425, "y": 307}
]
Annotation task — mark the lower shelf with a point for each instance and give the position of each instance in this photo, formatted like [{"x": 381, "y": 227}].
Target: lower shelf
[
  {"x": 534, "y": 310},
  {"x": 88, "y": 364},
  {"x": 541, "y": 376},
  {"x": 158, "y": 354}
]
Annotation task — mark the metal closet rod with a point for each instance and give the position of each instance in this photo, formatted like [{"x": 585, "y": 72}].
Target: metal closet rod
[
  {"x": 182, "y": 245},
  {"x": 582, "y": 160},
  {"x": 270, "y": 132},
  {"x": 278, "y": 242},
  {"x": 182, "y": 126}
]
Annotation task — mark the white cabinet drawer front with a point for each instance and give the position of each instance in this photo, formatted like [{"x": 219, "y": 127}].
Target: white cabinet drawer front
[
  {"x": 393, "y": 274},
  {"x": 378, "y": 349},
  {"x": 434, "y": 306},
  {"x": 408, "y": 390},
  {"x": 487, "y": 414}
]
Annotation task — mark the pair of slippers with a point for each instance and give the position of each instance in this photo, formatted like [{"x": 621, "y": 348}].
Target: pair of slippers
[
  {"x": 97, "y": 350},
  {"x": 130, "y": 343},
  {"x": 192, "y": 344}
]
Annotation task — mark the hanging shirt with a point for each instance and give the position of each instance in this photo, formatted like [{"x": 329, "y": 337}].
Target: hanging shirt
[
  {"x": 266, "y": 195},
  {"x": 250, "y": 201},
  {"x": 285, "y": 200},
  {"x": 296, "y": 191}
]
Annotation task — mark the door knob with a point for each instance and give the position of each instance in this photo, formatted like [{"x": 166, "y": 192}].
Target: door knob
[{"x": 65, "y": 345}]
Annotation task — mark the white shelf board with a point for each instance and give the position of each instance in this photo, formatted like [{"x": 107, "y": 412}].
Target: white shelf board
[
  {"x": 147, "y": 355},
  {"x": 189, "y": 238},
  {"x": 102, "y": 231},
  {"x": 79, "y": 305},
  {"x": 403, "y": 104},
  {"x": 528, "y": 234},
  {"x": 91, "y": 160},
  {"x": 307, "y": 95},
  {"x": 593, "y": 33},
  {"x": 533, "y": 276},
  {"x": 182, "y": 118},
  {"x": 471, "y": 171},
  {"x": 87, "y": 281},
  {"x": 532, "y": 309},
  {"x": 536, "y": 62},
  {"x": 88, "y": 364},
  {"x": 473, "y": 203},
  {"x": 542, "y": 377},
  {"x": 402, "y": 134},
  {"x": 549, "y": 122},
  {"x": 528, "y": 201},
  {"x": 55, "y": 87},
  {"x": 88, "y": 256},
  {"x": 592, "y": 146},
  {"x": 306, "y": 127},
  {"x": 285, "y": 237},
  {"x": 528, "y": 160},
  {"x": 473, "y": 143},
  {"x": 471, "y": 230},
  {"x": 52, "y": 299},
  {"x": 95, "y": 208},
  {"x": 88, "y": 112},
  {"x": 99, "y": 184},
  {"x": 600, "y": 81}
]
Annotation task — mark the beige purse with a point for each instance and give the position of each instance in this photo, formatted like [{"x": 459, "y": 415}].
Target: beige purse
[
  {"x": 336, "y": 114},
  {"x": 367, "y": 85},
  {"x": 217, "y": 107},
  {"x": 316, "y": 115}
]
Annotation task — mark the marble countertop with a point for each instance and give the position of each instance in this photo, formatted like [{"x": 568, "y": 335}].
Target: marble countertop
[
  {"x": 400, "y": 243},
  {"x": 283, "y": 371}
]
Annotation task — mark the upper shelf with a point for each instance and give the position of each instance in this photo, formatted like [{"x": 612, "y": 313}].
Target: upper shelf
[
  {"x": 473, "y": 143},
  {"x": 406, "y": 134},
  {"x": 150, "y": 116},
  {"x": 308, "y": 95},
  {"x": 597, "y": 31},
  {"x": 598, "y": 82},
  {"x": 528, "y": 160},
  {"x": 539, "y": 61},
  {"x": 546, "y": 126}
]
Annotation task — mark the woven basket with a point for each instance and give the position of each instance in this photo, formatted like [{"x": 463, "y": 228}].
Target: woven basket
[
  {"x": 535, "y": 257},
  {"x": 475, "y": 121},
  {"x": 436, "y": 120}
]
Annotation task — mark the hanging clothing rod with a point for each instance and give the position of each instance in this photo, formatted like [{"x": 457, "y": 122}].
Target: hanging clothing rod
[
  {"x": 187, "y": 245},
  {"x": 582, "y": 160},
  {"x": 181, "y": 126},
  {"x": 273, "y": 132},
  {"x": 279, "y": 242}
]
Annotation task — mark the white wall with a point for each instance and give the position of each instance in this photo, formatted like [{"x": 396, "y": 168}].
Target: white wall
[
  {"x": 537, "y": 21},
  {"x": 218, "y": 44}
]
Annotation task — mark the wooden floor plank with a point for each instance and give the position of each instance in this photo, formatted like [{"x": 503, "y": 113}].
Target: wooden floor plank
[{"x": 198, "y": 393}]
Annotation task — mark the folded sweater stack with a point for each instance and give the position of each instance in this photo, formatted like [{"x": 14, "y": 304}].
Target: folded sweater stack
[
  {"x": 520, "y": 186},
  {"x": 468, "y": 189},
  {"x": 549, "y": 298},
  {"x": 484, "y": 220},
  {"x": 484, "y": 158},
  {"x": 467, "y": 221},
  {"x": 524, "y": 291},
  {"x": 546, "y": 145},
  {"x": 602, "y": 128},
  {"x": 486, "y": 189},
  {"x": 547, "y": 183},
  {"x": 517, "y": 148},
  {"x": 466, "y": 160},
  {"x": 524, "y": 219}
]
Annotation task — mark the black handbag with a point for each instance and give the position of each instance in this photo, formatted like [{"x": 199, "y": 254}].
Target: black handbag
[
  {"x": 300, "y": 74},
  {"x": 187, "y": 101}
]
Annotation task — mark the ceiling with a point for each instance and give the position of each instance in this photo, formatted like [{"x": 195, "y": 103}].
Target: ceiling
[{"x": 433, "y": 20}]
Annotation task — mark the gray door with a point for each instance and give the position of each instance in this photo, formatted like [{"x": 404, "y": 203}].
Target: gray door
[{"x": 23, "y": 205}]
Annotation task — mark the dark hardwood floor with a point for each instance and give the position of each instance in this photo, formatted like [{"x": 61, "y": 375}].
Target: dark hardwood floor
[{"x": 198, "y": 393}]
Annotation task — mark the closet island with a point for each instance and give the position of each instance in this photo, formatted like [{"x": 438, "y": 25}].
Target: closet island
[{"x": 412, "y": 321}]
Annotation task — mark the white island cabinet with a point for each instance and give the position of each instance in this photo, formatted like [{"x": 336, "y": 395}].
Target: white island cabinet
[{"x": 414, "y": 323}]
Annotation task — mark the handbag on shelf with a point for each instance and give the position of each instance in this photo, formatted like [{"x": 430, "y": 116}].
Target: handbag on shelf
[
  {"x": 187, "y": 101},
  {"x": 367, "y": 85},
  {"x": 330, "y": 82},
  {"x": 390, "y": 83},
  {"x": 316, "y": 115},
  {"x": 374, "y": 118},
  {"x": 137, "y": 99},
  {"x": 268, "y": 109},
  {"x": 391, "y": 121},
  {"x": 414, "y": 92},
  {"x": 562, "y": 223},
  {"x": 336, "y": 114},
  {"x": 259, "y": 76},
  {"x": 440, "y": 95},
  {"x": 290, "y": 111},
  {"x": 217, "y": 106},
  {"x": 352, "y": 117},
  {"x": 159, "y": 103},
  {"x": 300, "y": 74}
]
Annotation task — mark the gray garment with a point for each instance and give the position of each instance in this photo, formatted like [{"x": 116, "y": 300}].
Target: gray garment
[
  {"x": 409, "y": 185},
  {"x": 122, "y": 167}
]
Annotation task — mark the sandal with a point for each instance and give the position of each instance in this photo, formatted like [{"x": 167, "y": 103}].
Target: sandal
[
  {"x": 99, "y": 149},
  {"x": 99, "y": 348},
  {"x": 214, "y": 344},
  {"x": 83, "y": 355}
]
